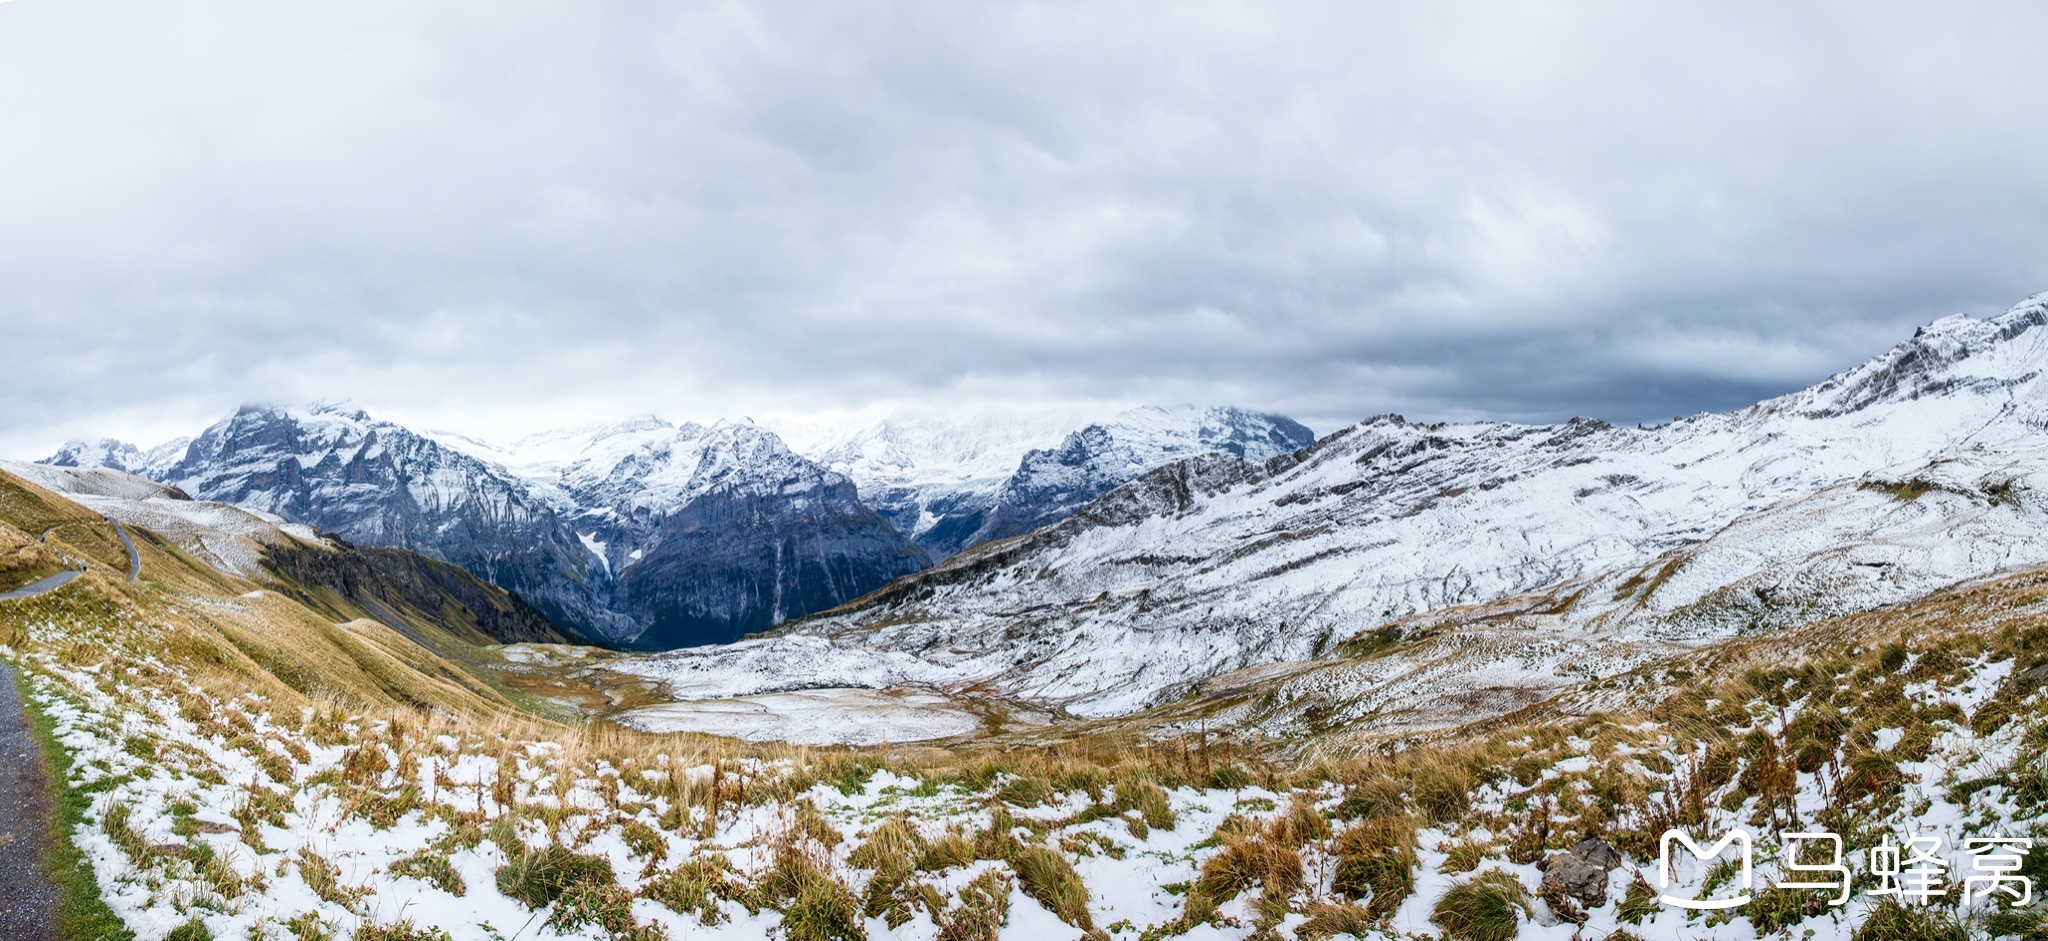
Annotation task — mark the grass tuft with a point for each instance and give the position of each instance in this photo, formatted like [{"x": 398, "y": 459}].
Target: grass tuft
[
  {"x": 1489, "y": 907},
  {"x": 538, "y": 877},
  {"x": 982, "y": 910},
  {"x": 1046, "y": 876}
]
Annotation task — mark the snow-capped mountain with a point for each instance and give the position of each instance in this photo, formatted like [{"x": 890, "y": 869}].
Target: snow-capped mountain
[
  {"x": 953, "y": 484},
  {"x": 707, "y": 532},
  {"x": 639, "y": 533},
  {"x": 1912, "y": 471},
  {"x": 916, "y": 469}
]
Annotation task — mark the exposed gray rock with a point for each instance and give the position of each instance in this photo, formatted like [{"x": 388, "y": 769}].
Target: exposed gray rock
[
  {"x": 1570, "y": 875},
  {"x": 1580, "y": 872},
  {"x": 1598, "y": 852}
]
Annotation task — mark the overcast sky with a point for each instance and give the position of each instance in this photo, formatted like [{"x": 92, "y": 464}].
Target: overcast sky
[{"x": 496, "y": 216}]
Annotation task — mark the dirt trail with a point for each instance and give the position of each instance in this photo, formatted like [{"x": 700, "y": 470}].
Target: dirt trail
[{"x": 27, "y": 898}]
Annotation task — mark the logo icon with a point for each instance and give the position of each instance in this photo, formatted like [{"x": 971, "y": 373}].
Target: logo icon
[{"x": 1735, "y": 836}]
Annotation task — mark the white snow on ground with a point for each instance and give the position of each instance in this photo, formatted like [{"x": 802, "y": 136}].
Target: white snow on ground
[
  {"x": 208, "y": 782},
  {"x": 833, "y": 716}
]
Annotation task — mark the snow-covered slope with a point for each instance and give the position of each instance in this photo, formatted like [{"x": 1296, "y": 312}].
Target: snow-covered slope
[
  {"x": 228, "y": 538},
  {"x": 951, "y": 484},
  {"x": 1916, "y": 469}
]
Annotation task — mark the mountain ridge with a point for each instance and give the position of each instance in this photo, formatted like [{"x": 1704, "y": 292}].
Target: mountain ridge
[
  {"x": 1914, "y": 469},
  {"x": 648, "y": 534}
]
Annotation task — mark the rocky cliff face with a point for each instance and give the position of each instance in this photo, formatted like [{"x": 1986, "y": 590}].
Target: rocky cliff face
[
  {"x": 653, "y": 535},
  {"x": 710, "y": 532},
  {"x": 1051, "y": 484}
]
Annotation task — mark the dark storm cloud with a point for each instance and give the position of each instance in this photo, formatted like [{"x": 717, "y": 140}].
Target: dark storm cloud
[{"x": 512, "y": 213}]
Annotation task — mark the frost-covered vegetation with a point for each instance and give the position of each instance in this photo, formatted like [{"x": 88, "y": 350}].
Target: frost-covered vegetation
[{"x": 269, "y": 762}]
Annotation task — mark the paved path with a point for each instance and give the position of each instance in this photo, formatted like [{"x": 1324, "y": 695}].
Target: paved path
[
  {"x": 134, "y": 557},
  {"x": 58, "y": 580},
  {"x": 38, "y": 587},
  {"x": 27, "y": 898}
]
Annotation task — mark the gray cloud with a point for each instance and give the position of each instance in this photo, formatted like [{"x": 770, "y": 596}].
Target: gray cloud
[{"x": 501, "y": 215}]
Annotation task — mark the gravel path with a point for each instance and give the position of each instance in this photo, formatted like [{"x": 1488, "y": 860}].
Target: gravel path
[{"x": 27, "y": 898}]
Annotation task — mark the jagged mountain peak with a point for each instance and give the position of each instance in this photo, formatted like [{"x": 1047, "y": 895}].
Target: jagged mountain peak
[
  {"x": 1957, "y": 354},
  {"x": 647, "y": 464},
  {"x": 951, "y": 481}
]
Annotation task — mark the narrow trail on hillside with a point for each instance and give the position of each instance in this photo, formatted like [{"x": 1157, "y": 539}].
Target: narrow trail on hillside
[
  {"x": 41, "y": 586},
  {"x": 59, "y": 580},
  {"x": 27, "y": 897},
  {"x": 134, "y": 558}
]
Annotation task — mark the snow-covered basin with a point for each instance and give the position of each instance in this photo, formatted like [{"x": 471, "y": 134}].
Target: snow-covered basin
[{"x": 833, "y": 716}]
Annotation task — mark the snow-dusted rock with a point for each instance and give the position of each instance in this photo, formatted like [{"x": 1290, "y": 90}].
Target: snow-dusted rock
[{"x": 636, "y": 533}]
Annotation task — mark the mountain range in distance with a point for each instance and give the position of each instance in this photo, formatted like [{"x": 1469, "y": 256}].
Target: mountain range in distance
[
  {"x": 1405, "y": 574},
  {"x": 649, "y": 535}
]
